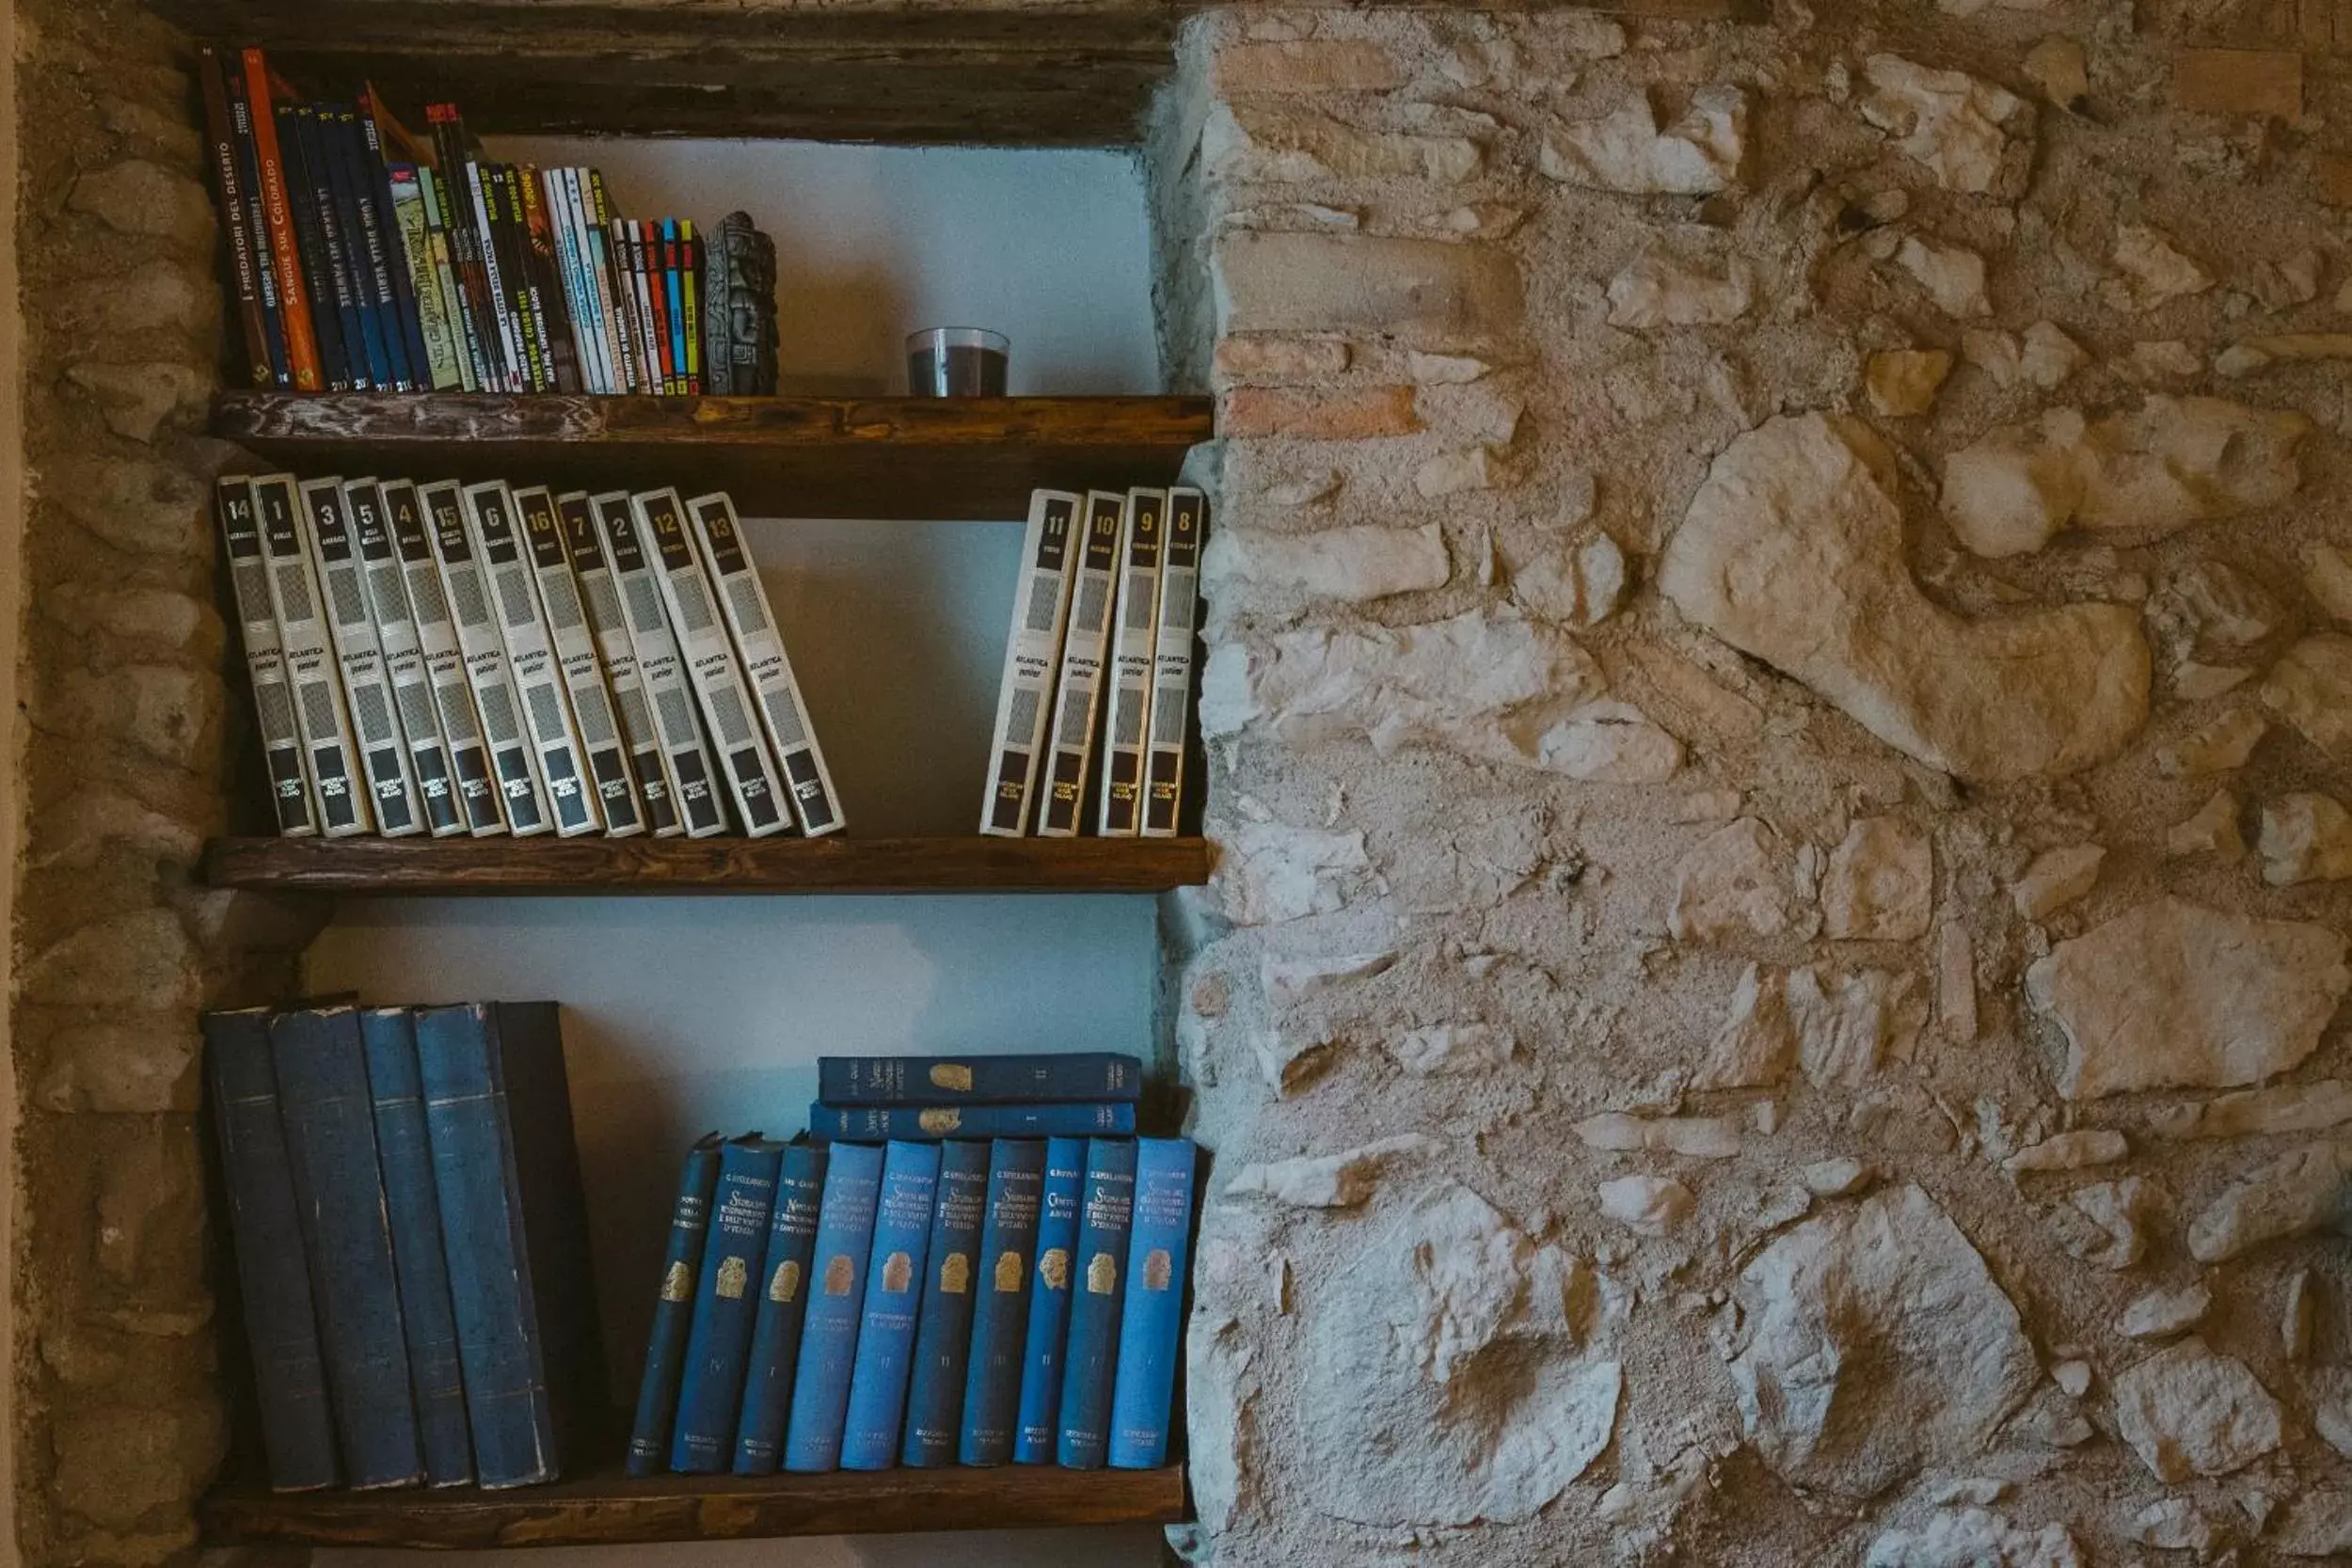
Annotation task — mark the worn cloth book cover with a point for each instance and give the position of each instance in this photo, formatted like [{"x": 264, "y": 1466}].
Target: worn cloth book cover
[
  {"x": 1097, "y": 1295},
  {"x": 894, "y": 1290},
  {"x": 836, "y": 1304},
  {"x": 522, "y": 801},
  {"x": 1128, "y": 704},
  {"x": 546, "y": 709},
  {"x": 404, "y": 669},
  {"x": 498, "y": 1108},
  {"x": 1000, "y": 1303},
  {"x": 977, "y": 1080},
  {"x": 325, "y": 1103},
  {"x": 672, "y": 1309},
  {"x": 404, "y": 1152},
  {"x": 338, "y": 794},
  {"x": 942, "y": 1327},
  {"x": 1151, "y": 1322},
  {"x": 783, "y": 1307},
  {"x": 1040, "y": 611},
  {"x": 1078, "y": 690},
  {"x": 869, "y": 1122},
  {"x": 264, "y": 658},
  {"x": 272, "y": 1277},
  {"x": 471, "y": 770},
  {"x": 359, "y": 655},
  {"x": 608, "y": 626},
  {"x": 576, "y": 661},
  {"x": 711, "y": 1382},
  {"x": 694, "y": 786},
  {"x": 1039, "y": 1411},
  {"x": 1170, "y": 729}
]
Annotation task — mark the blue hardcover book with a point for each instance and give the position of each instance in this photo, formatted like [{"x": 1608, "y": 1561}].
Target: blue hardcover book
[
  {"x": 329, "y": 1119},
  {"x": 672, "y": 1309},
  {"x": 942, "y": 1330},
  {"x": 1106, "y": 1219},
  {"x": 497, "y": 1108},
  {"x": 1042, "y": 1342},
  {"x": 893, "y": 1292},
  {"x": 1000, "y": 1306},
  {"x": 403, "y": 1151},
  {"x": 1151, "y": 1325},
  {"x": 977, "y": 1080},
  {"x": 710, "y": 1388},
  {"x": 782, "y": 1303},
  {"x": 866, "y": 1123},
  {"x": 670, "y": 279},
  {"x": 845, "y": 1237},
  {"x": 289, "y": 1374}
]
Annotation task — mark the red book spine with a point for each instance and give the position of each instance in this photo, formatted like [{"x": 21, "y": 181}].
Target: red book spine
[
  {"x": 293, "y": 299},
  {"x": 657, "y": 295}
]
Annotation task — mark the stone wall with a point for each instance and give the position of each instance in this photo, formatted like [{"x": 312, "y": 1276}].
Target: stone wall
[
  {"x": 118, "y": 1400},
  {"x": 1778, "y": 710}
]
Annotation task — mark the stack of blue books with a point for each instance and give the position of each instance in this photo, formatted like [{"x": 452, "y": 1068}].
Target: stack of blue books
[
  {"x": 925, "y": 1293},
  {"x": 412, "y": 1251}
]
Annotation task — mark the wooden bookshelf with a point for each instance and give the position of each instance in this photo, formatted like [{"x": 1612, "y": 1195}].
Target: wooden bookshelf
[
  {"x": 605, "y": 1509},
  {"x": 646, "y": 865},
  {"x": 923, "y": 458}
]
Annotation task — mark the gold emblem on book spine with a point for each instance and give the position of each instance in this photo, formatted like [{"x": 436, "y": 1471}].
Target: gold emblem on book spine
[
  {"x": 1157, "y": 1267},
  {"x": 955, "y": 1274},
  {"x": 1102, "y": 1275},
  {"x": 734, "y": 1274},
  {"x": 940, "y": 1119},
  {"x": 1054, "y": 1268},
  {"x": 786, "y": 1283},
  {"x": 679, "y": 1283},
  {"x": 840, "y": 1278},
  {"x": 951, "y": 1075},
  {"x": 1008, "y": 1272},
  {"x": 897, "y": 1273}
]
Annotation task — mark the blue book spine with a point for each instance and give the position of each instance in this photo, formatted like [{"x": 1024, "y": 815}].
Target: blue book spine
[
  {"x": 670, "y": 279},
  {"x": 942, "y": 1332},
  {"x": 289, "y": 1373},
  {"x": 404, "y": 1152},
  {"x": 710, "y": 1388},
  {"x": 329, "y": 1118},
  {"x": 1049, "y": 1302},
  {"x": 1105, "y": 1220},
  {"x": 782, "y": 1303},
  {"x": 1000, "y": 1305},
  {"x": 1151, "y": 1325},
  {"x": 977, "y": 1080},
  {"x": 866, "y": 1123},
  {"x": 845, "y": 1239},
  {"x": 893, "y": 1292},
  {"x": 672, "y": 1309}
]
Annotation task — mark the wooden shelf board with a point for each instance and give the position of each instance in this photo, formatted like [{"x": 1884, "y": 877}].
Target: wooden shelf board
[
  {"x": 791, "y": 457},
  {"x": 650, "y": 865},
  {"x": 605, "y": 1509}
]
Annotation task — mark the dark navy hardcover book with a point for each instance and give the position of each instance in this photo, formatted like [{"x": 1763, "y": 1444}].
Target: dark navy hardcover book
[
  {"x": 782, "y": 1303},
  {"x": 894, "y": 1293},
  {"x": 1000, "y": 1305},
  {"x": 844, "y": 1240},
  {"x": 672, "y": 1309},
  {"x": 499, "y": 1109},
  {"x": 865, "y": 1123},
  {"x": 273, "y": 1282},
  {"x": 1106, "y": 1218},
  {"x": 1077, "y": 1075},
  {"x": 1151, "y": 1325},
  {"x": 405, "y": 1152},
  {"x": 324, "y": 1102},
  {"x": 1040, "y": 1412},
  {"x": 711, "y": 1386},
  {"x": 942, "y": 1327}
]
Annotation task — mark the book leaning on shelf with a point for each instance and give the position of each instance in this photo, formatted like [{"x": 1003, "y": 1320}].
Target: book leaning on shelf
[{"x": 483, "y": 659}]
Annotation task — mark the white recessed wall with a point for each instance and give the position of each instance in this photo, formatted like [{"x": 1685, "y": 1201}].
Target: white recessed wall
[{"x": 687, "y": 1014}]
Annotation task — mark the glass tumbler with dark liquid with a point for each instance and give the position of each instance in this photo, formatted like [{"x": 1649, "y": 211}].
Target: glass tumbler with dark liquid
[{"x": 957, "y": 362}]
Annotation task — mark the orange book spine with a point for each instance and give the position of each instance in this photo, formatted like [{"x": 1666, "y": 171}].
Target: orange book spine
[{"x": 293, "y": 300}]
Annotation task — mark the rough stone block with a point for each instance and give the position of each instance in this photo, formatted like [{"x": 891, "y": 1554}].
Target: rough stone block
[
  {"x": 2238, "y": 82},
  {"x": 135, "y": 197},
  {"x": 1279, "y": 359},
  {"x": 1425, "y": 294},
  {"x": 1303, "y": 66},
  {"x": 1316, "y": 415}
]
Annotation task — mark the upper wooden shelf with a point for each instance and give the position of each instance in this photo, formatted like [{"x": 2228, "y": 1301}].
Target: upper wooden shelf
[
  {"x": 604, "y": 1509},
  {"x": 778, "y": 457},
  {"x": 604, "y": 866}
]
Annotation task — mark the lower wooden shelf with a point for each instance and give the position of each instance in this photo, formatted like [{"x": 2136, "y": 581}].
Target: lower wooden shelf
[
  {"x": 603, "y": 865},
  {"x": 604, "y": 1508}
]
